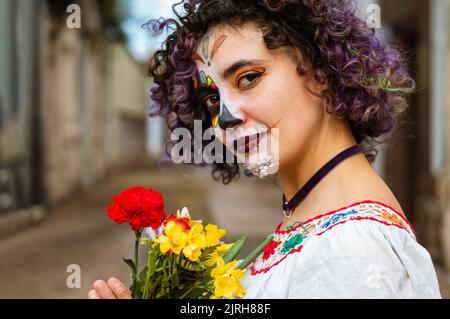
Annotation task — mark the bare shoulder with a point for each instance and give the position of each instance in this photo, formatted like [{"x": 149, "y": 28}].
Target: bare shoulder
[
  {"x": 345, "y": 189},
  {"x": 373, "y": 187},
  {"x": 359, "y": 183}
]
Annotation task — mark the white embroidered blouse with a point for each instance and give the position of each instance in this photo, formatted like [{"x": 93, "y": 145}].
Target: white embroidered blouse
[{"x": 366, "y": 250}]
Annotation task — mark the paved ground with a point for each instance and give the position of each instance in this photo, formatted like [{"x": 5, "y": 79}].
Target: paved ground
[{"x": 33, "y": 262}]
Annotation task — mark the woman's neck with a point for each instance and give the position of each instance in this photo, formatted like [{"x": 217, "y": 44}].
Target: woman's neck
[
  {"x": 317, "y": 153},
  {"x": 352, "y": 181}
]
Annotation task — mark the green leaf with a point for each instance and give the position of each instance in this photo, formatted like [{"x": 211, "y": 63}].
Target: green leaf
[
  {"x": 130, "y": 263},
  {"x": 143, "y": 274},
  {"x": 254, "y": 254},
  {"x": 231, "y": 254},
  {"x": 191, "y": 266}
]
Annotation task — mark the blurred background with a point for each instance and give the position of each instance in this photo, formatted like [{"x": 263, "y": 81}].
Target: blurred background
[{"x": 74, "y": 131}]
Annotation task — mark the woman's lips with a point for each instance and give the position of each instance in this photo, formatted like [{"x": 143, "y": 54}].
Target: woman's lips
[{"x": 245, "y": 144}]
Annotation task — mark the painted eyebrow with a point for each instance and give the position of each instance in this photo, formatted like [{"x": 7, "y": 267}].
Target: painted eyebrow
[
  {"x": 197, "y": 57},
  {"x": 238, "y": 65},
  {"x": 217, "y": 45}
]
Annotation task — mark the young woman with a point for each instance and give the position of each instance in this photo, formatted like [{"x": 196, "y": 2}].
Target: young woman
[{"x": 313, "y": 75}]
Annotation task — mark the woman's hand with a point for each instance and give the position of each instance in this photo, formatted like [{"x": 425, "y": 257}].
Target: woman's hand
[{"x": 112, "y": 289}]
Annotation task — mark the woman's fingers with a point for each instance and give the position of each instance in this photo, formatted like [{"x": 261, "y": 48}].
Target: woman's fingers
[
  {"x": 103, "y": 290},
  {"x": 112, "y": 289},
  {"x": 93, "y": 294},
  {"x": 119, "y": 289}
]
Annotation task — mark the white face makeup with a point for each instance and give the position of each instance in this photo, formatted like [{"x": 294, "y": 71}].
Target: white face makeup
[
  {"x": 254, "y": 96},
  {"x": 251, "y": 145}
]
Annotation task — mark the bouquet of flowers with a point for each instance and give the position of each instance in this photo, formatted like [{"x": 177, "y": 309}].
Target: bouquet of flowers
[{"x": 186, "y": 260}]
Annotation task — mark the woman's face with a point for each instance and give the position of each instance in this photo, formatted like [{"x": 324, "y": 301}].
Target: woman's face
[{"x": 247, "y": 87}]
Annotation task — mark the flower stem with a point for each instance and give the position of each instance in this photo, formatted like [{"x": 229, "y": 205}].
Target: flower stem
[
  {"x": 136, "y": 261},
  {"x": 255, "y": 253},
  {"x": 147, "y": 275}
]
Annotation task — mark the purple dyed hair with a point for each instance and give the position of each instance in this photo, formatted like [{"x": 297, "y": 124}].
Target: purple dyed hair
[{"x": 367, "y": 79}]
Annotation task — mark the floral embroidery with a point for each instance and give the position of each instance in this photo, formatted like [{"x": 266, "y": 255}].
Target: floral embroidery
[
  {"x": 292, "y": 240},
  {"x": 338, "y": 217},
  {"x": 269, "y": 250},
  {"x": 392, "y": 218},
  {"x": 292, "y": 243},
  {"x": 293, "y": 226}
]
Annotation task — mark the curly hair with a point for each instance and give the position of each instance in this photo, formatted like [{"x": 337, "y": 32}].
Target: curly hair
[{"x": 367, "y": 79}]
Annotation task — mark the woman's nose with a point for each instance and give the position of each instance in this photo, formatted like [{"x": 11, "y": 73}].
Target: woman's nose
[{"x": 227, "y": 120}]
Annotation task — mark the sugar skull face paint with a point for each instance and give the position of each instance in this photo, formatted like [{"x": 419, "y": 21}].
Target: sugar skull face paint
[
  {"x": 249, "y": 87},
  {"x": 207, "y": 90},
  {"x": 208, "y": 94}
]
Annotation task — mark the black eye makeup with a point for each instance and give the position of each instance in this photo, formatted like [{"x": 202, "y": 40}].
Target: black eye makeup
[
  {"x": 211, "y": 101},
  {"x": 208, "y": 98}
]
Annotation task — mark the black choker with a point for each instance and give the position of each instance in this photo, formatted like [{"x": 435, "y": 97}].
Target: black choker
[{"x": 290, "y": 206}]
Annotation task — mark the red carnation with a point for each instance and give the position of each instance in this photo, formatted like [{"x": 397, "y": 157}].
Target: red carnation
[{"x": 139, "y": 207}]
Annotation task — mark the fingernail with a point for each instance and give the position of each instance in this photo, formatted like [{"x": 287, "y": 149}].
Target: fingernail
[
  {"x": 117, "y": 285},
  {"x": 120, "y": 289}
]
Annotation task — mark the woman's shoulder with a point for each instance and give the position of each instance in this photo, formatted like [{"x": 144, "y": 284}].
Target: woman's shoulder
[
  {"x": 377, "y": 215},
  {"x": 371, "y": 249},
  {"x": 365, "y": 228},
  {"x": 336, "y": 232},
  {"x": 369, "y": 230},
  {"x": 366, "y": 249}
]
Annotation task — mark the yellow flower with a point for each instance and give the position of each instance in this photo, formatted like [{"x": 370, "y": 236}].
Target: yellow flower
[
  {"x": 197, "y": 236},
  {"x": 196, "y": 241},
  {"x": 227, "y": 280},
  {"x": 213, "y": 235},
  {"x": 174, "y": 240},
  {"x": 192, "y": 252},
  {"x": 219, "y": 252}
]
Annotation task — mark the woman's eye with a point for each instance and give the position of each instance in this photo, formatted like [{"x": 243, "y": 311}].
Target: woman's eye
[
  {"x": 248, "y": 79},
  {"x": 211, "y": 101}
]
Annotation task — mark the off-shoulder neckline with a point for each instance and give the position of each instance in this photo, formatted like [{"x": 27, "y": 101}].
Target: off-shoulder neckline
[{"x": 286, "y": 231}]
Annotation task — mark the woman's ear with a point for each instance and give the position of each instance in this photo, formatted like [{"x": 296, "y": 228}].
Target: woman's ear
[
  {"x": 323, "y": 87},
  {"x": 304, "y": 67},
  {"x": 296, "y": 56},
  {"x": 321, "y": 81},
  {"x": 293, "y": 53}
]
